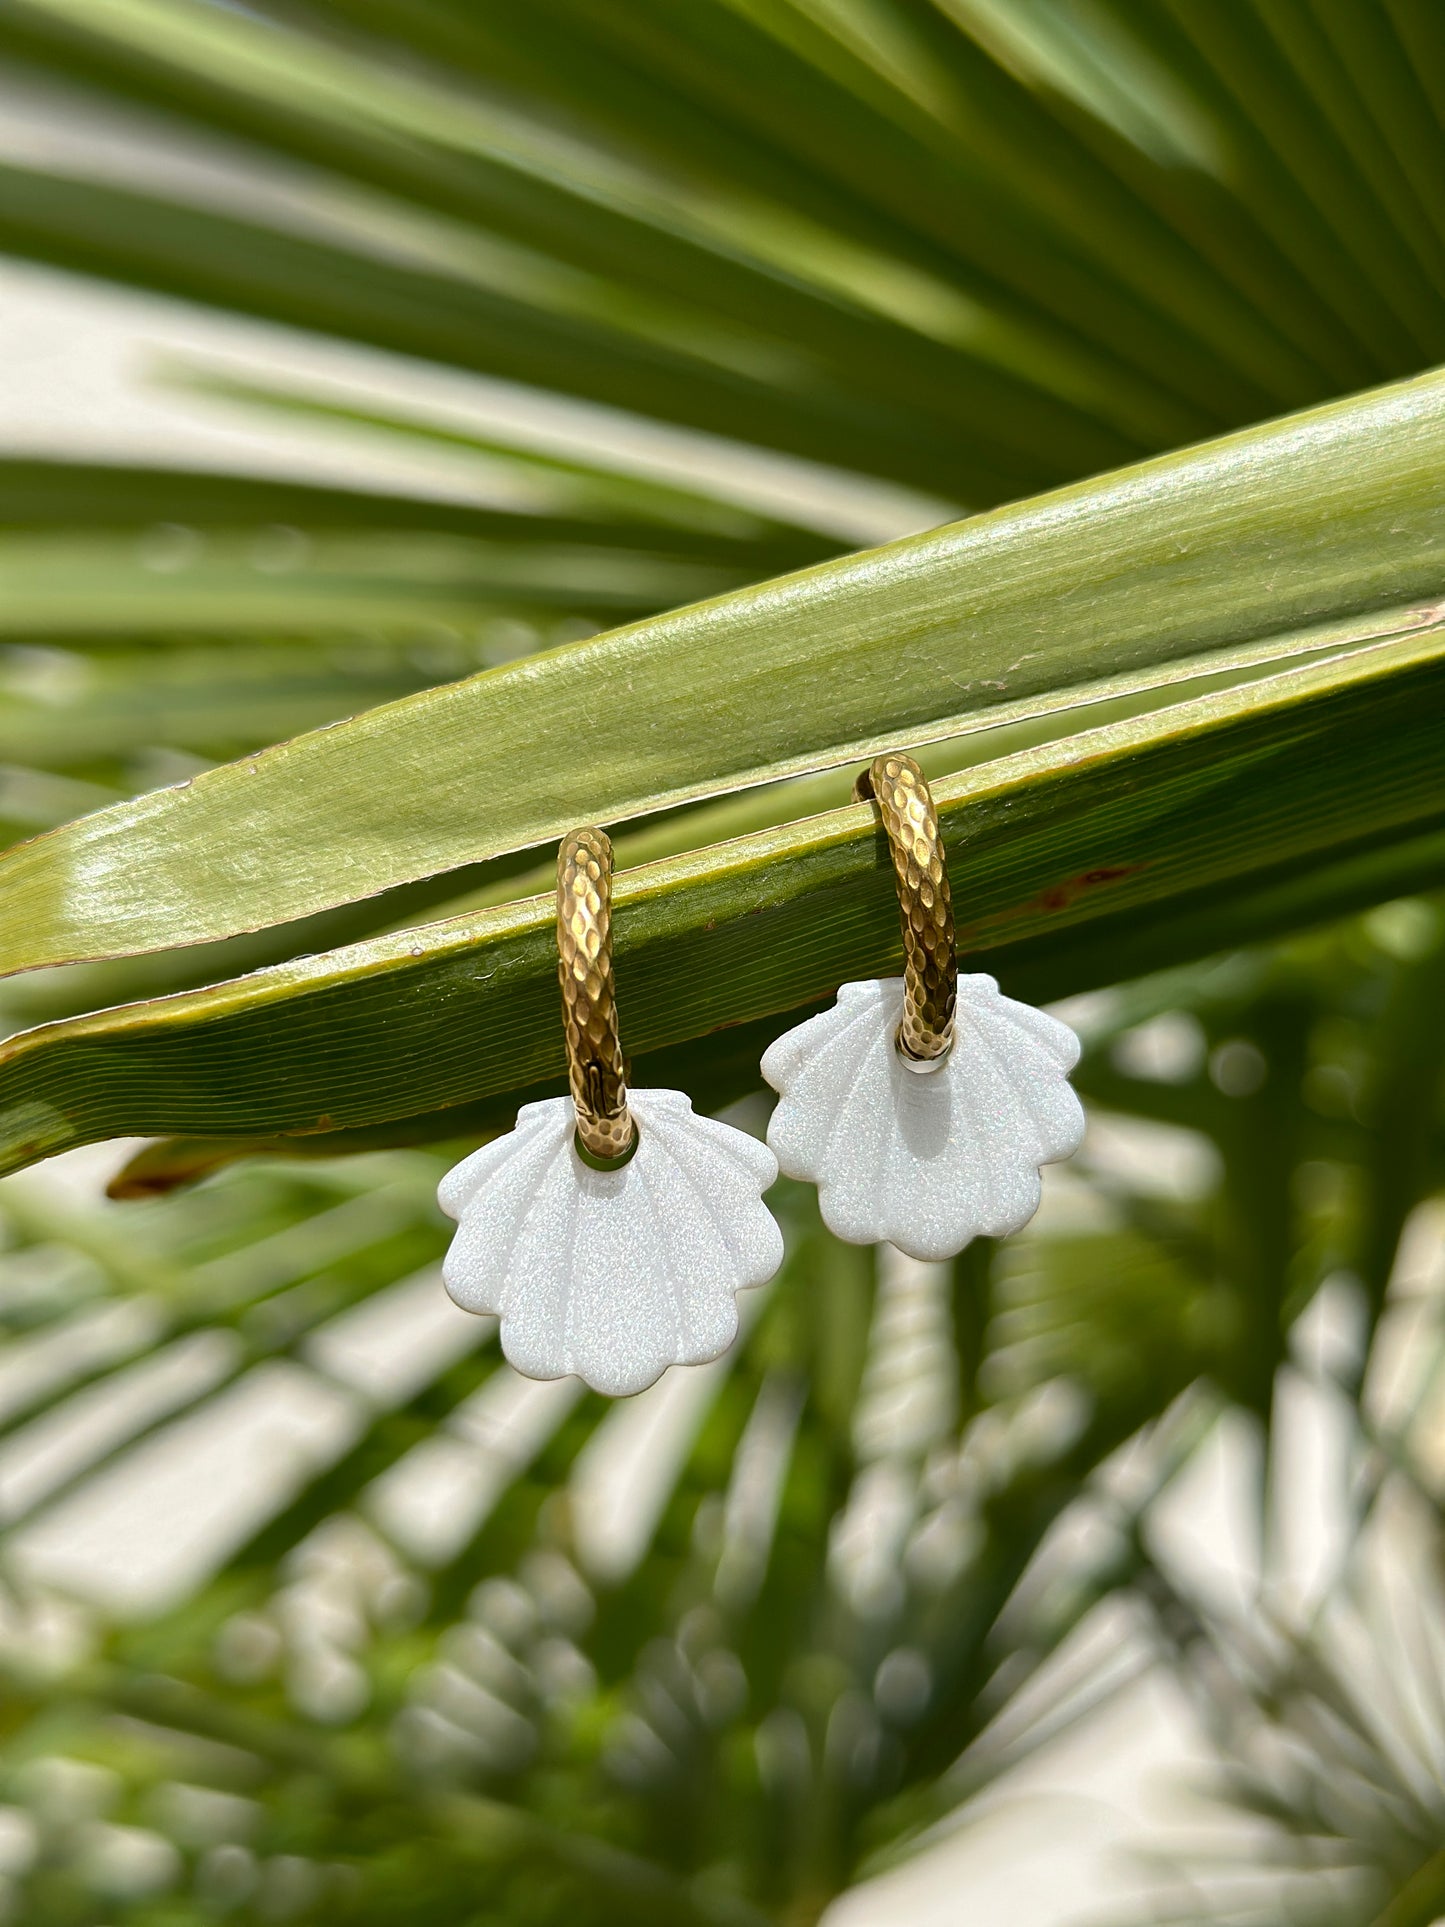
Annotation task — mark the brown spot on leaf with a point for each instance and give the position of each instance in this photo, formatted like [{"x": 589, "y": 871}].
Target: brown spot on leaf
[
  {"x": 1060, "y": 896},
  {"x": 1055, "y": 897}
]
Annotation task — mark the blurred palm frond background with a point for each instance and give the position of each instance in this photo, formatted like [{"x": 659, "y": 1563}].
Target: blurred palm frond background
[{"x": 458, "y": 329}]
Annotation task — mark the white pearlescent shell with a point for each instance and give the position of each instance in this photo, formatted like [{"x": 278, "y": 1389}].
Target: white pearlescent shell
[
  {"x": 612, "y": 1275},
  {"x": 925, "y": 1161}
]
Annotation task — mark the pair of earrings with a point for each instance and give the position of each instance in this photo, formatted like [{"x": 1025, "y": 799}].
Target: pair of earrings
[{"x": 611, "y": 1230}]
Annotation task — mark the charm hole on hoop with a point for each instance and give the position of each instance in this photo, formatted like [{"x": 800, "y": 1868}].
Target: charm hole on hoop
[
  {"x": 921, "y": 1066},
  {"x": 595, "y": 1163}
]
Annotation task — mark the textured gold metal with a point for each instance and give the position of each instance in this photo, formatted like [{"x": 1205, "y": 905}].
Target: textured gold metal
[
  {"x": 595, "y": 1068},
  {"x": 925, "y": 908}
]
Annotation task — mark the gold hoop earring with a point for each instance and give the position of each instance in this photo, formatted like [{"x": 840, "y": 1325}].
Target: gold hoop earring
[
  {"x": 925, "y": 906},
  {"x": 606, "y": 1130},
  {"x": 929, "y": 1162},
  {"x": 611, "y": 1230}
]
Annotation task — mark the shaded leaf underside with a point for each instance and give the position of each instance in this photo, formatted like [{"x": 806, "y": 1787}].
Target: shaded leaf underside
[{"x": 1069, "y": 863}]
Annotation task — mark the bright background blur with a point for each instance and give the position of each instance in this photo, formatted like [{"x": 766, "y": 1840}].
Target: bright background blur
[{"x": 1214, "y": 1689}]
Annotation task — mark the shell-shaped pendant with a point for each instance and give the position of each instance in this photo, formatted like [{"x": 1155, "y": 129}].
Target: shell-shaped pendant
[
  {"x": 612, "y": 1274},
  {"x": 925, "y": 1161}
]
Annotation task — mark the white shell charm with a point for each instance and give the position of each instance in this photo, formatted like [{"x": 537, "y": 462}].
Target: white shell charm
[
  {"x": 610, "y": 1231},
  {"x": 925, "y": 1157},
  {"x": 612, "y": 1274}
]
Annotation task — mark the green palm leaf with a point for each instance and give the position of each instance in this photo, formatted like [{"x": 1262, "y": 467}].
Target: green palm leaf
[
  {"x": 1094, "y": 276},
  {"x": 1206, "y": 561},
  {"x": 1127, "y": 825}
]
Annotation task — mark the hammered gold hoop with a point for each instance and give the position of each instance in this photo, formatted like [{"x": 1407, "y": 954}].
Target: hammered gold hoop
[
  {"x": 925, "y": 907},
  {"x": 606, "y": 1132}
]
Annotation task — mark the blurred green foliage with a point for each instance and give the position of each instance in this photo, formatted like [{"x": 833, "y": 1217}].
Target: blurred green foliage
[
  {"x": 310, "y": 1610},
  {"x": 475, "y": 1662}
]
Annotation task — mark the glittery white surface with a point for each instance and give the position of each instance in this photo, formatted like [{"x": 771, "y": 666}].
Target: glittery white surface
[
  {"x": 924, "y": 1161},
  {"x": 612, "y": 1275}
]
